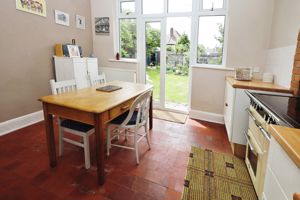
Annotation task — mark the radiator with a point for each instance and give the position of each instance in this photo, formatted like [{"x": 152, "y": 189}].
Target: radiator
[{"x": 113, "y": 74}]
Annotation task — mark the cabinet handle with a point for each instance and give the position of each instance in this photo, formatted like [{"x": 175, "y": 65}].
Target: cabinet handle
[
  {"x": 125, "y": 107},
  {"x": 226, "y": 104}
]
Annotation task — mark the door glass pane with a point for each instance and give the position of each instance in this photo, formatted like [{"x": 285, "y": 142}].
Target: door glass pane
[
  {"x": 178, "y": 58},
  {"x": 179, "y": 6},
  {"x": 153, "y": 6},
  {"x": 127, "y": 7},
  {"x": 212, "y": 4},
  {"x": 128, "y": 38},
  {"x": 210, "y": 40},
  {"x": 152, "y": 39}
]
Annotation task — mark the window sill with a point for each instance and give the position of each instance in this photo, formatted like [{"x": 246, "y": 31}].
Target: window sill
[
  {"x": 123, "y": 60},
  {"x": 214, "y": 67}
]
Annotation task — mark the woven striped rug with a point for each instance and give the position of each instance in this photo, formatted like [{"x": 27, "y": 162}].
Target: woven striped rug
[{"x": 216, "y": 176}]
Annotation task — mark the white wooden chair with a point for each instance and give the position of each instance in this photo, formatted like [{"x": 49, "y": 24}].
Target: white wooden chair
[
  {"x": 74, "y": 127},
  {"x": 97, "y": 79},
  {"x": 129, "y": 123}
]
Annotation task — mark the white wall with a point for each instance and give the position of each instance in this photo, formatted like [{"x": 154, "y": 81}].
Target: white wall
[
  {"x": 285, "y": 28},
  {"x": 280, "y": 63},
  {"x": 104, "y": 44},
  {"x": 208, "y": 88},
  {"x": 249, "y": 31}
]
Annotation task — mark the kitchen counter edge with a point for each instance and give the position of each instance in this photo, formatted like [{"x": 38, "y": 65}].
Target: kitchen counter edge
[{"x": 256, "y": 85}]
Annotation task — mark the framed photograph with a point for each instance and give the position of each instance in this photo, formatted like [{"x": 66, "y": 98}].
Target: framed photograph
[
  {"x": 73, "y": 51},
  {"x": 80, "y": 22},
  {"x": 62, "y": 18},
  {"x": 37, "y": 7},
  {"x": 101, "y": 25}
]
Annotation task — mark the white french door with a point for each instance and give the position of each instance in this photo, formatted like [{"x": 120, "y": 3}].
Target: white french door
[{"x": 154, "y": 57}]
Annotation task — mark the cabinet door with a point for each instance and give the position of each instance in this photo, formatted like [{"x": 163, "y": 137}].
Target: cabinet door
[
  {"x": 64, "y": 69},
  {"x": 284, "y": 169},
  {"x": 228, "y": 108},
  {"x": 92, "y": 66},
  {"x": 80, "y": 73},
  {"x": 240, "y": 120},
  {"x": 272, "y": 189}
]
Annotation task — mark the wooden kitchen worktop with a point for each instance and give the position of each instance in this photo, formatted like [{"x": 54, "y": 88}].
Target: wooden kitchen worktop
[
  {"x": 256, "y": 85},
  {"x": 289, "y": 139},
  {"x": 296, "y": 196}
]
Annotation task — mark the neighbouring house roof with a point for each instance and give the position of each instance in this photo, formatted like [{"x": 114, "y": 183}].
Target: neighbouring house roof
[{"x": 172, "y": 37}]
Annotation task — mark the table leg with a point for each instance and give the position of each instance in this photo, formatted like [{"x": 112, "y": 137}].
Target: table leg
[
  {"x": 151, "y": 113},
  {"x": 99, "y": 137},
  {"x": 50, "y": 136}
]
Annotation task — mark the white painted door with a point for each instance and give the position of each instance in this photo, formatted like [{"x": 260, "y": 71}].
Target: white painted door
[{"x": 154, "y": 58}]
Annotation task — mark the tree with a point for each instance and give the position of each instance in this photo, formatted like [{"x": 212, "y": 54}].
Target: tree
[
  {"x": 219, "y": 47},
  {"x": 128, "y": 38},
  {"x": 152, "y": 39},
  {"x": 182, "y": 44}
]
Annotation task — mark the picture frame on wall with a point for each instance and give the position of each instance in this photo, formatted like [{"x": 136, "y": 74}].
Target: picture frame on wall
[
  {"x": 101, "y": 25},
  {"x": 62, "y": 18},
  {"x": 73, "y": 51},
  {"x": 37, "y": 7},
  {"x": 80, "y": 22}
]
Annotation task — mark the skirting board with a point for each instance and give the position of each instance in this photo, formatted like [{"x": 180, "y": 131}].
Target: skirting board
[
  {"x": 206, "y": 116},
  {"x": 20, "y": 122}
]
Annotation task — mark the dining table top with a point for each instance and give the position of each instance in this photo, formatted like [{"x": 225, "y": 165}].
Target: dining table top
[{"x": 94, "y": 101}]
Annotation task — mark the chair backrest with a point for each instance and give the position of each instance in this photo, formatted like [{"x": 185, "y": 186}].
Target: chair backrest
[
  {"x": 97, "y": 79},
  {"x": 141, "y": 104},
  {"x": 62, "y": 86}
]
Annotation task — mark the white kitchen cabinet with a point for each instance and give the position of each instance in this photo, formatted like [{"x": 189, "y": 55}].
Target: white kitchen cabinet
[
  {"x": 235, "y": 116},
  {"x": 75, "y": 68},
  {"x": 283, "y": 176}
]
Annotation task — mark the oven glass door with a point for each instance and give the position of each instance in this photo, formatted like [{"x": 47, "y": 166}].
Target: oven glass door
[
  {"x": 253, "y": 153},
  {"x": 252, "y": 157}
]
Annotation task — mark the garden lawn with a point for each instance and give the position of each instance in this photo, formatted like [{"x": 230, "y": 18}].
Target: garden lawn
[{"x": 176, "y": 86}]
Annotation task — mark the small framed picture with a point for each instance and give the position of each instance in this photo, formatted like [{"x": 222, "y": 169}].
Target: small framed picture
[
  {"x": 102, "y": 25},
  {"x": 62, "y": 18},
  {"x": 73, "y": 51},
  {"x": 80, "y": 22}
]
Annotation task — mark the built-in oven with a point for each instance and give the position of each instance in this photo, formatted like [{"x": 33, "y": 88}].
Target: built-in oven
[
  {"x": 258, "y": 141},
  {"x": 257, "y": 150}
]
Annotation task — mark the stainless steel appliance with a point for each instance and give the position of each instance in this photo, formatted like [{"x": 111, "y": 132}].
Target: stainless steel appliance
[{"x": 266, "y": 109}]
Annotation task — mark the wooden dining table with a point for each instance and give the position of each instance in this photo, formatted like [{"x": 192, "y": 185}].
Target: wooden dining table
[{"x": 92, "y": 107}]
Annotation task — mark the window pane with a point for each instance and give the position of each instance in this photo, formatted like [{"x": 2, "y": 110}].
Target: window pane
[
  {"x": 210, "y": 40},
  {"x": 153, "y": 6},
  {"x": 127, "y": 7},
  {"x": 180, "y": 6},
  {"x": 128, "y": 38},
  {"x": 212, "y": 4}
]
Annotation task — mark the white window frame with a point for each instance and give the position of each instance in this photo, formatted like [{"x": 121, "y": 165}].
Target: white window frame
[{"x": 196, "y": 13}]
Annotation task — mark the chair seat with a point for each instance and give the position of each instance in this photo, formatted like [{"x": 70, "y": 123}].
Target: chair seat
[
  {"x": 78, "y": 126},
  {"x": 119, "y": 120}
]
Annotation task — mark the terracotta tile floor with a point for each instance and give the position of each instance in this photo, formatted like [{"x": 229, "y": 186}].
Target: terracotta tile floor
[{"x": 25, "y": 173}]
